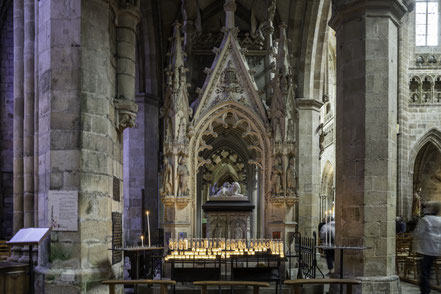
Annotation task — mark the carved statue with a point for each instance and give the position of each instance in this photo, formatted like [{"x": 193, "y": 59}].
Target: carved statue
[
  {"x": 277, "y": 176},
  {"x": 290, "y": 134},
  {"x": 183, "y": 175},
  {"x": 272, "y": 10},
  {"x": 216, "y": 232},
  {"x": 167, "y": 179},
  {"x": 228, "y": 189},
  {"x": 417, "y": 203},
  {"x": 182, "y": 131},
  {"x": 238, "y": 232},
  {"x": 291, "y": 177}
]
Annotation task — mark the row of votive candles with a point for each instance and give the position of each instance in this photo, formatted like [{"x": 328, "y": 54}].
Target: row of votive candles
[{"x": 210, "y": 248}]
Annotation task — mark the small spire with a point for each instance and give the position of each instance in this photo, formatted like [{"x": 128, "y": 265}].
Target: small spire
[
  {"x": 177, "y": 54},
  {"x": 282, "y": 63},
  {"x": 229, "y": 8}
]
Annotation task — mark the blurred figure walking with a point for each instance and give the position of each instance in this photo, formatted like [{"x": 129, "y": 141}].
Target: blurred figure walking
[
  {"x": 427, "y": 237},
  {"x": 327, "y": 235}
]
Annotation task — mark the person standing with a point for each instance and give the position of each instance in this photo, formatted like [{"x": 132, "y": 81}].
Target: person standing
[
  {"x": 427, "y": 237},
  {"x": 327, "y": 234}
]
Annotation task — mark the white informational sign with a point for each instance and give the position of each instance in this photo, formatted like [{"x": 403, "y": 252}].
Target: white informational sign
[{"x": 63, "y": 210}]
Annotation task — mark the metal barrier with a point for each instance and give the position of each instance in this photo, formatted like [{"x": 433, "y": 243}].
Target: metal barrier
[{"x": 306, "y": 253}]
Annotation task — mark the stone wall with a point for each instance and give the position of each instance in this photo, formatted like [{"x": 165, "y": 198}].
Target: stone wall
[
  {"x": 6, "y": 121},
  {"x": 417, "y": 119},
  {"x": 404, "y": 183}
]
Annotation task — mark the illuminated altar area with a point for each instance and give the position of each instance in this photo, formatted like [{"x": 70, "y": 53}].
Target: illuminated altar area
[{"x": 229, "y": 162}]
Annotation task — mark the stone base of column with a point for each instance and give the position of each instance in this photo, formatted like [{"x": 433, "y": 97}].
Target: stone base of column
[
  {"x": 374, "y": 285},
  {"x": 55, "y": 281}
]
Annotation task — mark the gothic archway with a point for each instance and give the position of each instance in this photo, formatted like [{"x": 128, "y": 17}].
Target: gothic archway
[
  {"x": 427, "y": 172},
  {"x": 327, "y": 189},
  {"x": 234, "y": 128}
]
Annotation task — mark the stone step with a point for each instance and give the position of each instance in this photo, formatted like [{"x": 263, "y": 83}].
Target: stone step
[{"x": 310, "y": 289}]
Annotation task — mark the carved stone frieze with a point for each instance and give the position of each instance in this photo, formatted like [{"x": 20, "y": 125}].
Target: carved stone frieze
[
  {"x": 428, "y": 60},
  {"x": 179, "y": 202},
  {"x": 425, "y": 89}
]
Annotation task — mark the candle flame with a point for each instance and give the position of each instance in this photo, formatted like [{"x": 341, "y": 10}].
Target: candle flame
[
  {"x": 142, "y": 236},
  {"x": 147, "y": 212}
]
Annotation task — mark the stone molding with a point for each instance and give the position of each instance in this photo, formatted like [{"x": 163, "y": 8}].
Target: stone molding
[
  {"x": 425, "y": 89},
  {"x": 306, "y": 103},
  {"x": 427, "y": 61},
  {"x": 180, "y": 201},
  {"x": 395, "y": 9}
]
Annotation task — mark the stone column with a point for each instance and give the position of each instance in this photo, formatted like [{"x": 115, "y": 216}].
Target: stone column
[
  {"x": 28, "y": 133},
  {"x": 128, "y": 18},
  {"x": 18, "y": 123},
  {"x": 366, "y": 136},
  {"x": 18, "y": 115},
  {"x": 309, "y": 164}
]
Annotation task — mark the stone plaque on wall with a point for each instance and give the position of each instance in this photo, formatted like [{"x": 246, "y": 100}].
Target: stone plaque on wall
[
  {"x": 117, "y": 241},
  {"x": 63, "y": 210}
]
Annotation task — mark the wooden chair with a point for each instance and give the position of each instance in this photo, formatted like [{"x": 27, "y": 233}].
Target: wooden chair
[
  {"x": 412, "y": 262},
  {"x": 403, "y": 245},
  {"x": 5, "y": 251},
  {"x": 255, "y": 285},
  {"x": 437, "y": 266},
  {"x": 296, "y": 285},
  {"x": 162, "y": 283}
]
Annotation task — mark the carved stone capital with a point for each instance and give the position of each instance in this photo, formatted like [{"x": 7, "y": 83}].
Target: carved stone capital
[
  {"x": 291, "y": 200},
  {"x": 277, "y": 200},
  {"x": 126, "y": 111},
  {"x": 181, "y": 202},
  {"x": 311, "y": 104},
  {"x": 344, "y": 10}
]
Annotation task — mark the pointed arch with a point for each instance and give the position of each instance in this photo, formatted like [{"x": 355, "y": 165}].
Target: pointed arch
[
  {"x": 327, "y": 182},
  {"x": 432, "y": 136},
  {"x": 246, "y": 125},
  {"x": 313, "y": 51}
]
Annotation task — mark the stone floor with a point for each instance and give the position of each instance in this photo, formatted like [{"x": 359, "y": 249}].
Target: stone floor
[{"x": 406, "y": 288}]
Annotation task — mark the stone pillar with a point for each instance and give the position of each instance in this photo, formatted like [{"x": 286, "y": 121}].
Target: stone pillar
[
  {"x": 366, "y": 137},
  {"x": 18, "y": 123},
  {"x": 309, "y": 164},
  {"x": 28, "y": 133},
  {"x": 80, "y": 135},
  {"x": 128, "y": 18},
  {"x": 18, "y": 115}
]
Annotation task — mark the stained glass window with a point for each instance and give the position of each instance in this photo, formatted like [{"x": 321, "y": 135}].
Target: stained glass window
[{"x": 426, "y": 22}]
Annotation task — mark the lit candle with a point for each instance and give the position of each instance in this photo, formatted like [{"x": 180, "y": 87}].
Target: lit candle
[
  {"x": 148, "y": 225},
  {"x": 142, "y": 240}
]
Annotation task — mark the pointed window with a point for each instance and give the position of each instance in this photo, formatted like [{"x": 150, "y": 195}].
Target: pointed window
[{"x": 426, "y": 22}]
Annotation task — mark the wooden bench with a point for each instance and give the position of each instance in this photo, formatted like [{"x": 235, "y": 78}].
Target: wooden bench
[
  {"x": 255, "y": 285},
  {"x": 162, "y": 283},
  {"x": 296, "y": 285}
]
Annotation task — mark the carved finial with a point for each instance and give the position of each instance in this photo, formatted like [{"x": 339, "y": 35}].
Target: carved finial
[
  {"x": 215, "y": 50},
  {"x": 177, "y": 54},
  {"x": 282, "y": 52},
  {"x": 229, "y": 8}
]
